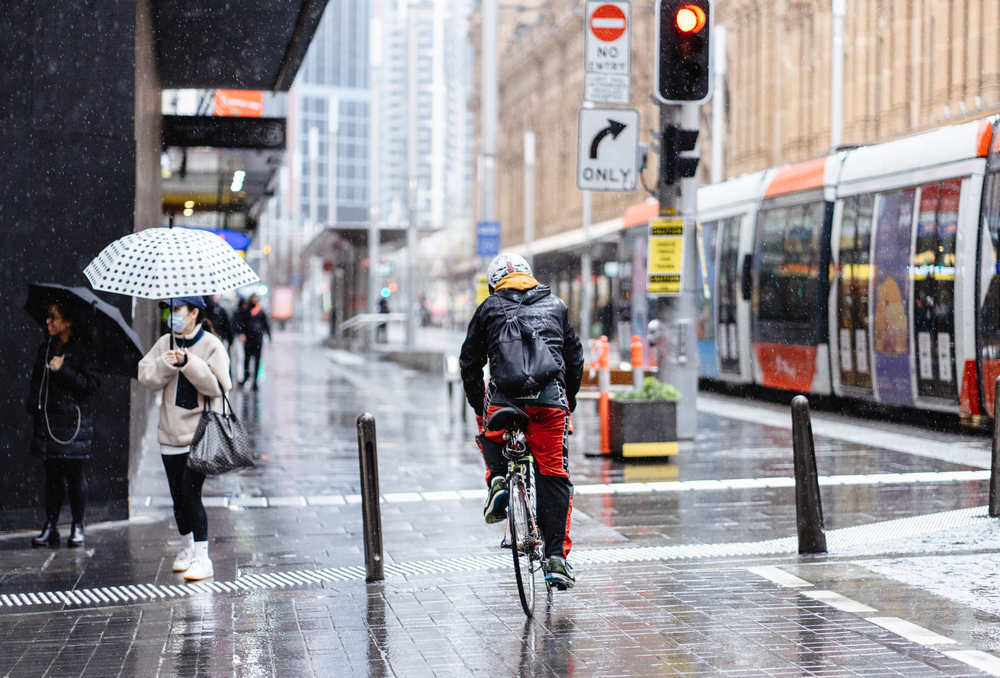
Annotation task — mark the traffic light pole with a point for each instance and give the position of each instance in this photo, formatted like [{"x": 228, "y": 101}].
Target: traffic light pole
[{"x": 679, "y": 315}]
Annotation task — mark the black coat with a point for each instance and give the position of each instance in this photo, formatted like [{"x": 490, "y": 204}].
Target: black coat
[
  {"x": 66, "y": 396},
  {"x": 253, "y": 326},
  {"x": 541, "y": 311}
]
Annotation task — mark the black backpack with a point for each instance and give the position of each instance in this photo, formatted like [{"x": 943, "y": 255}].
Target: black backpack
[{"x": 523, "y": 362}]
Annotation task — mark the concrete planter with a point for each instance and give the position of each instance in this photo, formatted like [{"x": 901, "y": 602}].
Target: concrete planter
[{"x": 643, "y": 428}]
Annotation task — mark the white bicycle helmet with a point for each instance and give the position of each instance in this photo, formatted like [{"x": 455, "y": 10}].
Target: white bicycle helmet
[{"x": 503, "y": 265}]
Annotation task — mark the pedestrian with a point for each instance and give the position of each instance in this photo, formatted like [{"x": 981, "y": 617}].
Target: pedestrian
[
  {"x": 60, "y": 402},
  {"x": 219, "y": 316},
  {"x": 515, "y": 292},
  {"x": 253, "y": 325},
  {"x": 382, "y": 329},
  {"x": 189, "y": 365}
]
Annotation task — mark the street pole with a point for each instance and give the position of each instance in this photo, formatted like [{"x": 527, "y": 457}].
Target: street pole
[
  {"x": 411, "y": 199},
  {"x": 837, "y": 75},
  {"x": 488, "y": 111},
  {"x": 719, "y": 104},
  {"x": 529, "y": 196},
  {"x": 586, "y": 269},
  {"x": 678, "y": 315}
]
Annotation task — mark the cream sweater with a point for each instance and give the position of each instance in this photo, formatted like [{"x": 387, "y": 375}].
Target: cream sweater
[{"x": 207, "y": 362}]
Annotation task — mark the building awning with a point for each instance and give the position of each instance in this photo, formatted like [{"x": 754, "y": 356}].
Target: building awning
[
  {"x": 325, "y": 244},
  {"x": 233, "y": 44}
]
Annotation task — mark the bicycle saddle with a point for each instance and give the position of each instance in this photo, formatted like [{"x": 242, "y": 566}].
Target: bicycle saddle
[{"x": 507, "y": 419}]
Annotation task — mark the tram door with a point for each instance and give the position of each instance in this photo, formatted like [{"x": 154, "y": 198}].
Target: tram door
[
  {"x": 852, "y": 292},
  {"x": 727, "y": 337},
  {"x": 934, "y": 289}
]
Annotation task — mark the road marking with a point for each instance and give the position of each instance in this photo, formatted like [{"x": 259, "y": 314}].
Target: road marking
[
  {"x": 834, "y": 599},
  {"x": 602, "y": 488},
  {"x": 967, "y": 454},
  {"x": 984, "y": 661},
  {"x": 910, "y": 631},
  {"x": 779, "y": 576}
]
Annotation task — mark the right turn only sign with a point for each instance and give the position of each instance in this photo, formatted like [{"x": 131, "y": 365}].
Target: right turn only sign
[{"x": 608, "y": 152}]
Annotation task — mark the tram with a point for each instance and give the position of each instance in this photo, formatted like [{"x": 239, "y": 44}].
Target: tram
[{"x": 872, "y": 274}]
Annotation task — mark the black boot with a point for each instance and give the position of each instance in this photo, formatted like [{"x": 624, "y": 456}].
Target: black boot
[
  {"x": 75, "y": 535},
  {"x": 49, "y": 535}
]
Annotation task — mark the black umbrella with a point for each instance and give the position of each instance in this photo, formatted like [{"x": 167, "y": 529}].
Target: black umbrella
[{"x": 119, "y": 348}]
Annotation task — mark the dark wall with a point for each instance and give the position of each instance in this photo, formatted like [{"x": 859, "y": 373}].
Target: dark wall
[{"x": 67, "y": 175}]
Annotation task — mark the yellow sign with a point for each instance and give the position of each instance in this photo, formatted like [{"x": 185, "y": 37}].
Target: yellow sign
[
  {"x": 482, "y": 290},
  {"x": 666, "y": 256}
]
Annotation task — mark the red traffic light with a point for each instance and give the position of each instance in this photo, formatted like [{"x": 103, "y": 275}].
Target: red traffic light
[{"x": 690, "y": 19}]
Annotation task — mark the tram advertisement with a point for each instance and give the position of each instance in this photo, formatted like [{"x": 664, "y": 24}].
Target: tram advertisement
[
  {"x": 666, "y": 240},
  {"x": 892, "y": 295}
]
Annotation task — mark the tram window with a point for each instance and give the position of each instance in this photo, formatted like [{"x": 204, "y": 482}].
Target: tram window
[
  {"x": 789, "y": 273},
  {"x": 772, "y": 237}
]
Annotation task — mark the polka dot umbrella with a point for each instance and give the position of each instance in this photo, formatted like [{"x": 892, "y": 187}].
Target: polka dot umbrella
[{"x": 168, "y": 262}]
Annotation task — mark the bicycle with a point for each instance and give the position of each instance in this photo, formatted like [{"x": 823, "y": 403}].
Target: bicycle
[{"x": 523, "y": 536}]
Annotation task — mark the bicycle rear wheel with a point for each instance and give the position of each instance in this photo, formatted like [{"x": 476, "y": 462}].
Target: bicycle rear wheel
[{"x": 522, "y": 545}]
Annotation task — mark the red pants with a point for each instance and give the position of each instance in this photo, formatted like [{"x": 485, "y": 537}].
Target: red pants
[{"x": 547, "y": 436}]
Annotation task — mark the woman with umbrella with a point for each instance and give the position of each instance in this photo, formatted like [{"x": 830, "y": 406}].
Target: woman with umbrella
[
  {"x": 60, "y": 401},
  {"x": 190, "y": 366}
]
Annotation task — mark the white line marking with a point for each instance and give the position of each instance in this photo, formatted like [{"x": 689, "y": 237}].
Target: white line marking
[
  {"x": 326, "y": 500},
  {"x": 834, "y": 599},
  {"x": 249, "y": 502},
  {"x": 472, "y": 494},
  {"x": 398, "y": 497},
  {"x": 215, "y": 501},
  {"x": 446, "y": 495},
  {"x": 286, "y": 501},
  {"x": 910, "y": 631},
  {"x": 779, "y": 576},
  {"x": 353, "y": 499},
  {"x": 984, "y": 661}
]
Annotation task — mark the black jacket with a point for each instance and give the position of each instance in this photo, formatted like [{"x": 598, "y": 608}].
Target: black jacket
[
  {"x": 541, "y": 311},
  {"x": 58, "y": 394},
  {"x": 253, "y": 326}
]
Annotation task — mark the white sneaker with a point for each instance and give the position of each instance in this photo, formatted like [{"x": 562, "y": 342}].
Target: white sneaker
[
  {"x": 201, "y": 568},
  {"x": 184, "y": 559}
]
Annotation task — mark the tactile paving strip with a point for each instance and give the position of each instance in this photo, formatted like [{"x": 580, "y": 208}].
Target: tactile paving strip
[{"x": 850, "y": 538}]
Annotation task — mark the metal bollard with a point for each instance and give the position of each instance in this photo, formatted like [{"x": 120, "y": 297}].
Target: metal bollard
[
  {"x": 370, "y": 510},
  {"x": 995, "y": 465},
  {"x": 808, "y": 505}
]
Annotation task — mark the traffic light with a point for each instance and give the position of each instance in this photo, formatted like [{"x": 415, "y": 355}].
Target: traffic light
[
  {"x": 683, "y": 52},
  {"x": 675, "y": 140}
]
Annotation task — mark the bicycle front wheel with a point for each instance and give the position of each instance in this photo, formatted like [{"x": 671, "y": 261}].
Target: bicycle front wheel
[{"x": 522, "y": 545}]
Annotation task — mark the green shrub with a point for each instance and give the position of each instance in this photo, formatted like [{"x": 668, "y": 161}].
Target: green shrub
[{"x": 652, "y": 389}]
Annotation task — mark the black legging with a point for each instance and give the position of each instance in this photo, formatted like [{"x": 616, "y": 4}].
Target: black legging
[
  {"x": 62, "y": 475},
  {"x": 185, "y": 490}
]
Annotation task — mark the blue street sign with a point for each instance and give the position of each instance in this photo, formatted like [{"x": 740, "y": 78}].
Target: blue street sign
[{"x": 487, "y": 238}]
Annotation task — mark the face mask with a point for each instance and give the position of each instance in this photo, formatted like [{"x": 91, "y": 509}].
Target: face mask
[{"x": 178, "y": 322}]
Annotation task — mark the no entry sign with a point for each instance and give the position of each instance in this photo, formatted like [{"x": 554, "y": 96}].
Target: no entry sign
[
  {"x": 608, "y": 51},
  {"x": 608, "y": 23}
]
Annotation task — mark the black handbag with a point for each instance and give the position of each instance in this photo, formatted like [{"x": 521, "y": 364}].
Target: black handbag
[
  {"x": 220, "y": 442},
  {"x": 523, "y": 362}
]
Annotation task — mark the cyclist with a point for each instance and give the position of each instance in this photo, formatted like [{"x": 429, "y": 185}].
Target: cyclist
[{"x": 510, "y": 280}]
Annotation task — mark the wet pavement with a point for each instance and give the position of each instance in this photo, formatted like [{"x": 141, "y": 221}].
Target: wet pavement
[{"x": 684, "y": 568}]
